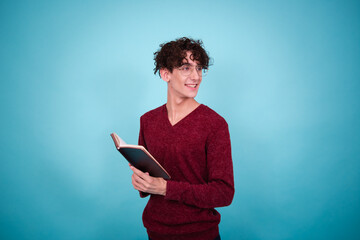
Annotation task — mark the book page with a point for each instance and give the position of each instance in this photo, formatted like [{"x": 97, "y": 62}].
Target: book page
[{"x": 117, "y": 140}]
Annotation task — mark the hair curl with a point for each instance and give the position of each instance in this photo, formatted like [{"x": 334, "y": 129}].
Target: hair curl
[{"x": 171, "y": 54}]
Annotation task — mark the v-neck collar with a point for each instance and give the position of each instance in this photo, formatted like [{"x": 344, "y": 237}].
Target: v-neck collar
[{"x": 165, "y": 111}]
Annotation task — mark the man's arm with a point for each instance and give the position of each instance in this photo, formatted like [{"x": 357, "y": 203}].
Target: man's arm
[
  {"x": 147, "y": 184},
  {"x": 217, "y": 192},
  {"x": 219, "y": 189},
  {"x": 141, "y": 142}
]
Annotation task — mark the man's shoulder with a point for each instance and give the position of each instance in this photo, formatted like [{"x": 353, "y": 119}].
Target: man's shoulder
[
  {"x": 212, "y": 117},
  {"x": 153, "y": 113},
  {"x": 212, "y": 114}
]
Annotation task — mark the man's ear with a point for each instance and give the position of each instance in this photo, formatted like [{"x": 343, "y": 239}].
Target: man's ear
[{"x": 165, "y": 74}]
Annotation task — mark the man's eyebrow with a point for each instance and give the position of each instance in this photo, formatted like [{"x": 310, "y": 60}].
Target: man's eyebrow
[{"x": 188, "y": 64}]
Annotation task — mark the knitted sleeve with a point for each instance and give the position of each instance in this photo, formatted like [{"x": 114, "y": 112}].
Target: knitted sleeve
[
  {"x": 219, "y": 190},
  {"x": 142, "y": 143}
]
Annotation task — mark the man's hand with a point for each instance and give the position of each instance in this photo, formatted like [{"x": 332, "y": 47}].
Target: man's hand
[{"x": 145, "y": 183}]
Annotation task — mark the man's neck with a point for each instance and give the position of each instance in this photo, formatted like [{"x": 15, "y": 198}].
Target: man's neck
[{"x": 179, "y": 108}]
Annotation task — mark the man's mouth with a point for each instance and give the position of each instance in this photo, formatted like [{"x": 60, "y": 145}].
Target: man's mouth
[{"x": 191, "y": 85}]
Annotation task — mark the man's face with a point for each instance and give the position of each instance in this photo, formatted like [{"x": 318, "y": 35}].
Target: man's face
[{"x": 184, "y": 82}]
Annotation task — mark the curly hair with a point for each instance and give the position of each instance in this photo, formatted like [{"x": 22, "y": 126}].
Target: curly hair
[{"x": 171, "y": 54}]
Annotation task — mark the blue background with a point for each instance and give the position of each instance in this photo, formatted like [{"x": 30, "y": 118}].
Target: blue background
[{"x": 285, "y": 76}]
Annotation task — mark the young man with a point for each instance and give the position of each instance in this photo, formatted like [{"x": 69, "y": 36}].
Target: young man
[{"x": 192, "y": 142}]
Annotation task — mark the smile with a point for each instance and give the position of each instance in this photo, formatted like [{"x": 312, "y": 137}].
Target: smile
[{"x": 191, "y": 85}]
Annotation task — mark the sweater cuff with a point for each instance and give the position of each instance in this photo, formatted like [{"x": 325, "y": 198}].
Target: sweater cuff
[{"x": 173, "y": 191}]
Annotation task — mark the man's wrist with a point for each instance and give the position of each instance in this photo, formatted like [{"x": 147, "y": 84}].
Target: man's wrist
[{"x": 164, "y": 188}]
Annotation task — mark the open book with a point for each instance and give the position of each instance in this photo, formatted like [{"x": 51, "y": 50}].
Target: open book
[{"x": 140, "y": 158}]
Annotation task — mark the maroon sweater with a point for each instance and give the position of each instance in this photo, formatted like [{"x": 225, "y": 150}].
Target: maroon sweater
[{"x": 196, "y": 152}]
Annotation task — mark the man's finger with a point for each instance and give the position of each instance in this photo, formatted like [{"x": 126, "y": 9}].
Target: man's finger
[
  {"x": 140, "y": 181},
  {"x": 140, "y": 173},
  {"x": 137, "y": 182}
]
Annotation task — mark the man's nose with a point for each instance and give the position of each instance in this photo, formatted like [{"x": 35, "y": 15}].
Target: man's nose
[{"x": 195, "y": 74}]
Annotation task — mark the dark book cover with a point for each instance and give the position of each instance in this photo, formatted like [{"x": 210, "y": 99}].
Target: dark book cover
[{"x": 140, "y": 158}]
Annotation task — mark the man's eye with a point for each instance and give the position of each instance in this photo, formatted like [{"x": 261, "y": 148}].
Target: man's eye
[
  {"x": 186, "y": 68},
  {"x": 198, "y": 68}
]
